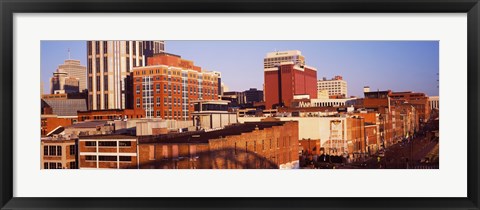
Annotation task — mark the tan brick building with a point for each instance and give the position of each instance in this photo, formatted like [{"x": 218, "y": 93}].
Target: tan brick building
[{"x": 58, "y": 153}]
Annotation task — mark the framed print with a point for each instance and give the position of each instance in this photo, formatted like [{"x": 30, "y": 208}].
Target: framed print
[{"x": 239, "y": 105}]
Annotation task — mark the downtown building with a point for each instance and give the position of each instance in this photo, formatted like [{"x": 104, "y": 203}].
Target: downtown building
[
  {"x": 74, "y": 69},
  {"x": 287, "y": 77},
  {"x": 336, "y": 87},
  {"x": 62, "y": 83},
  {"x": 108, "y": 65},
  {"x": 59, "y": 152},
  {"x": 255, "y": 145},
  {"x": 167, "y": 85}
]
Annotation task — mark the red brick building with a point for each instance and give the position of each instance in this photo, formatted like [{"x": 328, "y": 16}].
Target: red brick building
[
  {"x": 418, "y": 100},
  {"x": 165, "y": 87},
  {"x": 255, "y": 145},
  {"x": 285, "y": 81},
  {"x": 50, "y": 122},
  {"x": 107, "y": 151}
]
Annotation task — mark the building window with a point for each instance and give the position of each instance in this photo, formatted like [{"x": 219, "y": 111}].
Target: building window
[
  {"x": 59, "y": 165},
  {"x": 105, "y": 101},
  {"x": 98, "y": 101},
  {"x": 52, "y": 150},
  {"x": 89, "y": 47},
  {"x": 137, "y": 89},
  {"x": 97, "y": 65},
  {"x": 59, "y": 150},
  {"x": 90, "y": 143},
  {"x": 72, "y": 150},
  {"x": 138, "y": 102},
  {"x": 107, "y": 158},
  {"x": 90, "y": 158},
  {"x": 53, "y": 165},
  {"x": 45, "y": 150},
  {"x": 98, "y": 83},
  {"x": 73, "y": 165},
  {"x": 158, "y": 88},
  {"x": 45, "y": 165},
  {"x": 105, "y": 81},
  {"x": 107, "y": 143},
  {"x": 126, "y": 158},
  {"x": 90, "y": 85},
  {"x": 125, "y": 143},
  {"x": 89, "y": 65},
  {"x": 97, "y": 47},
  {"x": 105, "y": 47}
]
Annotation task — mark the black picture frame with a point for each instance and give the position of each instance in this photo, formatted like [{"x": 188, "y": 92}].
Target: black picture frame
[{"x": 10, "y": 7}]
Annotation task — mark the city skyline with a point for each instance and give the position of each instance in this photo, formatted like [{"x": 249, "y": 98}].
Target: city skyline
[{"x": 411, "y": 65}]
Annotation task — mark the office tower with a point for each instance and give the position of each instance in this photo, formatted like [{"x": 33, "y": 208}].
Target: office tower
[
  {"x": 166, "y": 87},
  {"x": 74, "y": 69},
  {"x": 253, "y": 95},
  {"x": 109, "y": 64},
  {"x": 336, "y": 87},
  {"x": 286, "y": 76},
  {"x": 62, "y": 83}
]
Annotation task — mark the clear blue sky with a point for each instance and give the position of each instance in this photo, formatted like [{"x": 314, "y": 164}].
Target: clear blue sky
[{"x": 394, "y": 65}]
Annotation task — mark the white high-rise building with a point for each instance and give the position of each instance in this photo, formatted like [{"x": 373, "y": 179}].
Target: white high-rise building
[
  {"x": 335, "y": 87},
  {"x": 109, "y": 64},
  {"x": 275, "y": 58}
]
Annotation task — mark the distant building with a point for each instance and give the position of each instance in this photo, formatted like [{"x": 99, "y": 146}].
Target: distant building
[
  {"x": 236, "y": 98},
  {"x": 335, "y": 86},
  {"x": 257, "y": 145},
  {"x": 74, "y": 69},
  {"x": 166, "y": 86},
  {"x": 419, "y": 100},
  {"x": 59, "y": 152},
  {"x": 253, "y": 95},
  {"x": 286, "y": 76},
  {"x": 108, "y": 65},
  {"x": 59, "y": 112},
  {"x": 337, "y": 135},
  {"x": 434, "y": 102},
  {"x": 110, "y": 114},
  {"x": 61, "y": 82},
  {"x": 212, "y": 114},
  {"x": 224, "y": 88},
  {"x": 107, "y": 151},
  {"x": 273, "y": 59}
]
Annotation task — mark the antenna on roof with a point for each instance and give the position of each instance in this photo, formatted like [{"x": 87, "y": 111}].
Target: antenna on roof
[{"x": 68, "y": 53}]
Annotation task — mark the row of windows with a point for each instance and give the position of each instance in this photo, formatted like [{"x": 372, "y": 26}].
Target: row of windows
[
  {"x": 57, "y": 150},
  {"x": 107, "y": 158},
  {"x": 55, "y": 165},
  {"x": 176, "y": 89},
  {"x": 108, "y": 143},
  {"x": 176, "y": 73},
  {"x": 179, "y": 80}
]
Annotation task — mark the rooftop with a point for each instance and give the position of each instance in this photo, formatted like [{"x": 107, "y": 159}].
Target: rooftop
[
  {"x": 67, "y": 107},
  {"x": 109, "y": 136},
  {"x": 88, "y": 124},
  {"x": 204, "y": 137}
]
